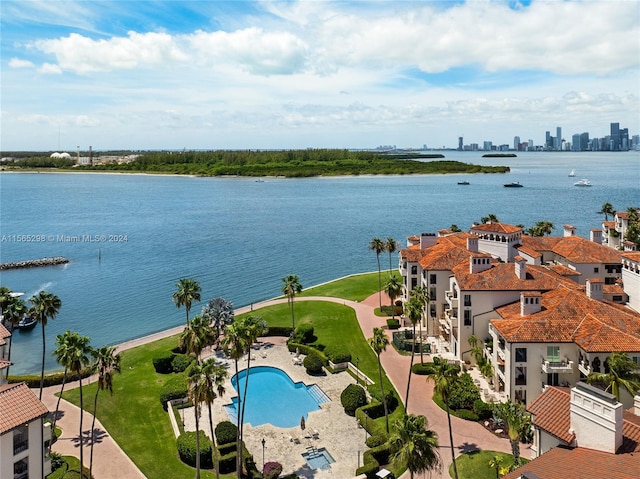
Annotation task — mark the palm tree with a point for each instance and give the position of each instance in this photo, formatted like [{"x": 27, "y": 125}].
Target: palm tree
[
  {"x": 214, "y": 377},
  {"x": 420, "y": 292},
  {"x": 234, "y": 344},
  {"x": 444, "y": 377},
  {"x": 64, "y": 356},
  {"x": 414, "y": 445},
  {"x": 606, "y": 210},
  {"x": 188, "y": 291},
  {"x": 454, "y": 228},
  {"x": 290, "y": 288},
  {"x": 391, "y": 246},
  {"x": 45, "y": 306},
  {"x": 196, "y": 336},
  {"x": 413, "y": 309},
  {"x": 106, "y": 363},
  {"x": 378, "y": 246},
  {"x": 496, "y": 463},
  {"x": 379, "y": 343},
  {"x": 518, "y": 421},
  {"x": 393, "y": 287},
  {"x": 490, "y": 218},
  {"x": 622, "y": 375},
  {"x": 79, "y": 351},
  {"x": 14, "y": 310},
  {"x": 218, "y": 312},
  {"x": 197, "y": 386}
]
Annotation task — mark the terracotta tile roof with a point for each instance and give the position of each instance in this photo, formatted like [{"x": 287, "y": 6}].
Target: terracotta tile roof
[
  {"x": 411, "y": 254},
  {"x": 496, "y": 228},
  {"x": 19, "y": 405},
  {"x": 574, "y": 248},
  {"x": 632, "y": 255},
  {"x": 502, "y": 277},
  {"x": 568, "y": 315},
  {"x": 529, "y": 251},
  {"x": 609, "y": 224},
  {"x": 564, "y": 270},
  {"x": 4, "y": 332},
  {"x": 444, "y": 257},
  {"x": 612, "y": 289},
  {"x": 551, "y": 413},
  {"x": 623, "y": 215},
  {"x": 4, "y": 363},
  {"x": 581, "y": 463}
]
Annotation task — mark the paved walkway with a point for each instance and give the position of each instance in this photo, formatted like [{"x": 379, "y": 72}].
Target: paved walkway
[{"x": 110, "y": 462}]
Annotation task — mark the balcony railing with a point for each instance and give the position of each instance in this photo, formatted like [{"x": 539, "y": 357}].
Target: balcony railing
[
  {"x": 584, "y": 367},
  {"x": 555, "y": 366},
  {"x": 18, "y": 447}
]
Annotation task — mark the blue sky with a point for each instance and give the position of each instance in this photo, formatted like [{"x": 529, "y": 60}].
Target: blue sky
[{"x": 297, "y": 74}]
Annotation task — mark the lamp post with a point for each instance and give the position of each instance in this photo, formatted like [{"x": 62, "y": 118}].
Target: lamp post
[{"x": 263, "y": 446}]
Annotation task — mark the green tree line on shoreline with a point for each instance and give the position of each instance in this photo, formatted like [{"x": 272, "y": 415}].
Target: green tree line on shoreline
[{"x": 287, "y": 163}]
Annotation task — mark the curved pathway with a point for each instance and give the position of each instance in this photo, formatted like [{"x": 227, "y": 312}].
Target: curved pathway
[{"x": 110, "y": 462}]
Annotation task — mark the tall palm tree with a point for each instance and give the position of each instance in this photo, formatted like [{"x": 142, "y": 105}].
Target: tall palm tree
[
  {"x": 188, "y": 291},
  {"x": 79, "y": 351},
  {"x": 378, "y": 246},
  {"x": 105, "y": 362},
  {"x": 393, "y": 287},
  {"x": 518, "y": 420},
  {"x": 290, "y": 288},
  {"x": 5, "y": 296},
  {"x": 420, "y": 292},
  {"x": 197, "y": 386},
  {"x": 197, "y": 336},
  {"x": 234, "y": 344},
  {"x": 490, "y": 218},
  {"x": 379, "y": 343},
  {"x": 390, "y": 246},
  {"x": 444, "y": 376},
  {"x": 13, "y": 311},
  {"x": 413, "y": 309},
  {"x": 606, "y": 210},
  {"x": 218, "y": 312},
  {"x": 45, "y": 306},
  {"x": 64, "y": 357},
  {"x": 414, "y": 445},
  {"x": 214, "y": 377},
  {"x": 622, "y": 375}
]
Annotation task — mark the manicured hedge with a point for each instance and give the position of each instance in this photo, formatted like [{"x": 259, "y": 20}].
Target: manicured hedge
[
  {"x": 376, "y": 409},
  {"x": 162, "y": 362},
  {"x": 482, "y": 409},
  {"x": 393, "y": 323},
  {"x": 51, "y": 379},
  {"x": 304, "y": 333},
  {"x": 352, "y": 398},
  {"x": 279, "y": 331},
  {"x": 228, "y": 448},
  {"x": 174, "y": 388},
  {"x": 180, "y": 362},
  {"x": 338, "y": 354},
  {"x": 423, "y": 369},
  {"x": 313, "y": 363},
  {"x": 226, "y": 433},
  {"x": 186, "y": 443}
]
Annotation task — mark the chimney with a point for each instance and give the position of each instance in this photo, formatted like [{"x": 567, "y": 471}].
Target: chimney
[
  {"x": 427, "y": 240},
  {"x": 530, "y": 303},
  {"x": 472, "y": 244},
  {"x": 595, "y": 235},
  {"x": 478, "y": 264},
  {"x": 596, "y": 418},
  {"x": 520, "y": 265},
  {"x": 569, "y": 230},
  {"x": 413, "y": 240},
  {"x": 594, "y": 289}
]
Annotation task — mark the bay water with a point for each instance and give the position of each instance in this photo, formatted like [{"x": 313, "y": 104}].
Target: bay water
[{"x": 130, "y": 238}]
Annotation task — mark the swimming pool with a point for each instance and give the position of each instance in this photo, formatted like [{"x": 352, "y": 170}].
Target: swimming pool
[
  {"x": 273, "y": 398},
  {"x": 318, "y": 458}
]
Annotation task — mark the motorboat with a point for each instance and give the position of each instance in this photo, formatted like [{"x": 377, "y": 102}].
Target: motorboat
[
  {"x": 463, "y": 182},
  {"x": 572, "y": 173},
  {"x": 513, "y": 184},
  {"x": 582, "y": 182},
  {"x": 27, "y": 322}
]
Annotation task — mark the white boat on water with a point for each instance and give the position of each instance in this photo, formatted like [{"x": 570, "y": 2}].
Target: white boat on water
[
  {"x": 583, "y": 182},
  {"x": 572, "y": 173}
]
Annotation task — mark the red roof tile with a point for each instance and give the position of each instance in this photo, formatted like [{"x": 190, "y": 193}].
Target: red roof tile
[
  {"x": 19, "y": 405},
  {"x": 494, "y": 227},
  {"x": 551, "y": 413},
  {"x": 4, "y": 332},
  {"x": 632, "y": 255},
  {"x": 502, "y": 277}
]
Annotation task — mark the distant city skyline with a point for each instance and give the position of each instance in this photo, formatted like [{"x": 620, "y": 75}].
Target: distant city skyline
[{"x": 306, "y": 74}]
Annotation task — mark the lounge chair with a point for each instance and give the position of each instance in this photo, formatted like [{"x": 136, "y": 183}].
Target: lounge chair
[
  {"x": 293, "y": 438},
  {"x": 316, "y": 434}
]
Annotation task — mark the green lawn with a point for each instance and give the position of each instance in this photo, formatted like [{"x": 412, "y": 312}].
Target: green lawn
[
  {"x": 475, "y": 465},
  {"x": 354, "y": 288},
  {"x": 70, "y": 469}
]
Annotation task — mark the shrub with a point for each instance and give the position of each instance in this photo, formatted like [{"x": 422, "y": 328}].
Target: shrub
[
  {"x": 227, "y": 464},
  {"x": 226, "y": 432},
  {"x": 467, "y": 415},
  {"x": 393, "y": 323},
  {"x": 338, "y": 355},
  {"x": 57, "y": 461},
  {"x": 352, "y": 398},
  {"x": 53, "y": 379},
  {"x": 376, "y": 440},
  {"x": 272, "y": 470},
  {"x": 313, "y": 363},
  {"x": 280, "y": 331},
  {"x": 482, "y": 409},
  {"x": 187, "y": 449},
  {"x": 174, "y": 388},
  {"x": 463, "y": 393},
  {"x": 304, "y": 333},
  {"x": 422, "y": 369},
  {"x": 162, "y": 363},
  {"x": 180, "y": 363}
]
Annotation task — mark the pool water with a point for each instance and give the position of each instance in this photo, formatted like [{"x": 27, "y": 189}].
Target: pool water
[
  {"x": 273, "y": 398},
  {"x": 318, "y": 458}
]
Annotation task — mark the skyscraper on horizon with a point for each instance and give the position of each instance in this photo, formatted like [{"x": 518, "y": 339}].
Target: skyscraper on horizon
[{"x": 558, "y": 138}]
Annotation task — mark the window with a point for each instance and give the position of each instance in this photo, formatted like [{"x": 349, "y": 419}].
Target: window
[
  {"x": 414, "y": 269},
  {"x": 467, "y": 317},
  {"x": 521, "y": 376},
  {"x": 610, "y": 280},
  {"x": 467, "y": 300},
  {"x": 596, "y": 270},
  {"x": 414, "y": 283},
  {"x": 432, "y": 294},
  {"x": 553, "y": 354},
  {"x": 521, "y": 396},
  {"x": 21, "y": 469},
  {"x": 521, "y": 355},
  {"x": 553, "y": 379},
  {"x": 432, "y": 279},
  {"x": 20, "y": 439},
  {"x": 432, "y": 311},
  {"x": 617, "y": 299}
]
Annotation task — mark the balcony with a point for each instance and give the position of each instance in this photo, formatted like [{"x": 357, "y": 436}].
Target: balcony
[
  {"x": 501, "y": 355},
  {"x": 18, "y": 447},
  {"x": 584, "y": 367},
  {"x": 555, "y": 366}
]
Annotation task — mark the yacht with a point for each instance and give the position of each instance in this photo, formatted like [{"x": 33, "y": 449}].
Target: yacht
[
  {"x": 572, "y": 173},
  {"x": 514, "y": 184},
  {"x": 582, "y": 182}
]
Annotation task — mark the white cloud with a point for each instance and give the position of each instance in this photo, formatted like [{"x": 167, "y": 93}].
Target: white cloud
[
  {"x": 19, "y": 63},
  {"x": 50, "y": 69}
]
